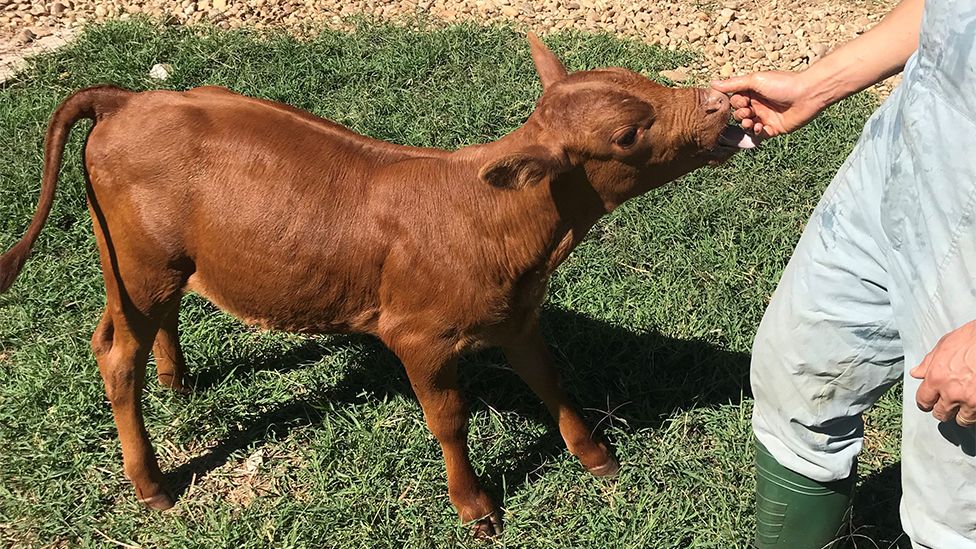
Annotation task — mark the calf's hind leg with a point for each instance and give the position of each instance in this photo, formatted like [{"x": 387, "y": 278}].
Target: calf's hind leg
[
  {"x": 170, "y": 364},
  {"x": 139, "y": 291},
  {"x": 121, "y": 348}
]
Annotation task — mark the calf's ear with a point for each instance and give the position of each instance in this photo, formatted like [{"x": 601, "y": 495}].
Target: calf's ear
[
  {"x": 522, "y": 169},
  {"x": 548, "y": 66}
]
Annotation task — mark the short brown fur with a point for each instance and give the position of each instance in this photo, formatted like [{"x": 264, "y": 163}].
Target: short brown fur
[{"x": 295, "y": 223}]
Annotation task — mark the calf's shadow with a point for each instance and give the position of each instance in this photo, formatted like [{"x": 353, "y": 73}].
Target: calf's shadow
[{"x": 616, "y": 376}]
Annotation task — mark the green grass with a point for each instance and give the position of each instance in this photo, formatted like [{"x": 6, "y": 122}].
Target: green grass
[{"x": 318, "y": 442}]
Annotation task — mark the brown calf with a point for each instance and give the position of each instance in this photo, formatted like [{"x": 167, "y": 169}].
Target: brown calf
[{"x": 295, "y": 223}]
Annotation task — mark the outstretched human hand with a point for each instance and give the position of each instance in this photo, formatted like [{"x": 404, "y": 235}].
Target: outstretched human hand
[{"x": 770, "y": 103}]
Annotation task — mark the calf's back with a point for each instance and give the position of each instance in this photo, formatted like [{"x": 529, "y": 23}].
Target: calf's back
[{"x": 292, "y": 222}]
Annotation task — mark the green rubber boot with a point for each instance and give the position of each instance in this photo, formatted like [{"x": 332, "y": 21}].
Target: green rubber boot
[{"x": 794, "y": 512}]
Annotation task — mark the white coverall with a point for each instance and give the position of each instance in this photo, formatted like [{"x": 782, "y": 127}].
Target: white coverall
[{"x": 885, "y": 267}]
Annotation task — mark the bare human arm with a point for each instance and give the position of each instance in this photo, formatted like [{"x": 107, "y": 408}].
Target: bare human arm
[{"x": 772, "y": 103}]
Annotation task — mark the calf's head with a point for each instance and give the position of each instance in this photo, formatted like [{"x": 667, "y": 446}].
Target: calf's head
[{"x": 617, "y": 130}]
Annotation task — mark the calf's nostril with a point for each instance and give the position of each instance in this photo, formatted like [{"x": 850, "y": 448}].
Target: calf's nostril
[{"x": 715, "y": 101}]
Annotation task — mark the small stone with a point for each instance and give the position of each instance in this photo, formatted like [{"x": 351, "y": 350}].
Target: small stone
[
  {"x": 25, "y": 36},
  {"x": 161, "y": 71},
  {"x": 772, "y": 56},
  {"x": 679, "y": 32},
  {"x": 510, "y": 11},
  {"x": 220, "y": 5},
  {"x": 678, "y": 75},
  {"x": 57, "y": 9},
  {"x": 725, "y": 17},
  {"x": 254, "y": 463},
  {"x": 726, "y": 70}
]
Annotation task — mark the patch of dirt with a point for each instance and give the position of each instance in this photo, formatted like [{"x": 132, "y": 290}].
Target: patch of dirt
[
  {"x": 735, "y": 36},
  {"x": 13, "y": 51},
  {"x": 237, "y": 479}
]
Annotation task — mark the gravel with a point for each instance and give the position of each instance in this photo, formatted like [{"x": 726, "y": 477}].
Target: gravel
[{"x": 735, "y": 36}]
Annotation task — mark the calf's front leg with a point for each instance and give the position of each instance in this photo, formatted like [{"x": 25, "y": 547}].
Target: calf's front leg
[
  {"x": 434, "y": 379},
  {"x": 530, "y": 358}
]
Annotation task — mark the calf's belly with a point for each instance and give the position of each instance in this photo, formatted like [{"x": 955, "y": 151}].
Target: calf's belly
[{"x": 288, "y": 297}]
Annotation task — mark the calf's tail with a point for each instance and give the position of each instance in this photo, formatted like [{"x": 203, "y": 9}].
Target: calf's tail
[{"x": 91, "y": 103}]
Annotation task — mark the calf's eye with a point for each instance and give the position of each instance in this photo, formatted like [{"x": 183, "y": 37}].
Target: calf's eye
[{"x": 626, "y": 138}]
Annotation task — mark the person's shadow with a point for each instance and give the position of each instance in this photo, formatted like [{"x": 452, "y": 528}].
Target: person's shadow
[
  {"x": 876, "y": 510},
  {"x": 636, "y": 379}
]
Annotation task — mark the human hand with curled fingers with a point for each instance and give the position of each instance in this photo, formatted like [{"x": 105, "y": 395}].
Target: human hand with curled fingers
[
  {"x": 948, "y": 372},
  {"x": 770, "y": 103}
]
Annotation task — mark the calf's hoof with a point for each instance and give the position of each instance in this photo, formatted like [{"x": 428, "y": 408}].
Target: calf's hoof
[
  {"x": 160, "y": 501},
  {"x": 174, "y": 384},
  {"x": 488, "y": 527},
  {"x": 182, "y": 390},
  {"x": 608, "y": 469}
]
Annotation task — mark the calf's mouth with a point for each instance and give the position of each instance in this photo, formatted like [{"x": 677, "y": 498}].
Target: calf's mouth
[
  {"x": 731, "y": 140},
  {"x": 737, "y": 138}
]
